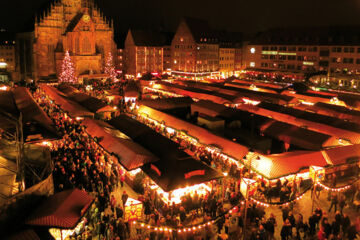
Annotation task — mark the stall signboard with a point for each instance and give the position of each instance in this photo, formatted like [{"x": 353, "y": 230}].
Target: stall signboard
[
  {"x": 315, "y": 171},
  {"x": 244, "y": 183},
  {"x": 133, "y": 210}
]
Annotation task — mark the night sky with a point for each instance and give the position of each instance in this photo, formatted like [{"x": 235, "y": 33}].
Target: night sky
[{"x": 234, "y": 15}]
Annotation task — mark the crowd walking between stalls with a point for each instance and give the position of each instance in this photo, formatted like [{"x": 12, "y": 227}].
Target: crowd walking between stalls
[{"x": 81, "y": 162}]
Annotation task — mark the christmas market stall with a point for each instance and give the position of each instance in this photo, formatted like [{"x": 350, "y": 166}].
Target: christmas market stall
[
  {"x": 345, "y": 130},
  {"x": 343, "y": 169},
  {"x": 62, "y": 213},
  {"x": 93, "y": 104},
  {"x": 297, "y": 136},
  {"x": 72, "y": 108},
  {"x": 175, "y": 170},
  {"x": 130, "y": 154}
]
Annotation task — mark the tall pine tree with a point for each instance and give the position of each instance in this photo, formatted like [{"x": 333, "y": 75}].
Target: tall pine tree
[
  {"x": 67, "y": 74},
  {"x": 109, "y": 67}
]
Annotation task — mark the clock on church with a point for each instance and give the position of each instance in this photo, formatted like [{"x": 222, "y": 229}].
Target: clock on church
[{"x": 86, "y": 18}]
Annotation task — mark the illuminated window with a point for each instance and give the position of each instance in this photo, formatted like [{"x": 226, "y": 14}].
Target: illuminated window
[
  {"x": 181, "y": 39},
  {"x": 252, "y": 50}
]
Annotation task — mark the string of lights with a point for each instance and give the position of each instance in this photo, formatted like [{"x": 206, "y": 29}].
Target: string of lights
[
  {"x": 188, "y": 229},
  {"x": 339, "y": 189},
  {"x": 278, "y": 204}
]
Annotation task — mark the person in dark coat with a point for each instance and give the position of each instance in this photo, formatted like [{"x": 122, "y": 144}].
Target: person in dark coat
[
  {"x": 286, "y": 230},
  {"x": 334, "y": 202},
  {"x": 345, "y": 224},
  {"x": 124, "y": 197},
  {"x": 270, "y": 226},
  {"x": 326, "y": 227},
  {"x": 313, "y": 219}
]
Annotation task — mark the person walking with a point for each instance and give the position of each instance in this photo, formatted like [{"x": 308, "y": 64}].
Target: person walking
[
  {"x": 334, "y": 202},
  {"x": 342, "y": 203},
  {"x": 124, "y": 198},
  {"x": 270, "y": 226}
]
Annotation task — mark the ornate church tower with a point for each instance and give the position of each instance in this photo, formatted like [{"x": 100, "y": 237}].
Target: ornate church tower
[{"x": 76, "y": 26}]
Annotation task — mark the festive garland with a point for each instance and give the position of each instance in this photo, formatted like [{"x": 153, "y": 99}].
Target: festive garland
[
  {"x": 279, "y": 204},
  {"x": 193, "y": 228},
  {"x": 339, "y": 189}
]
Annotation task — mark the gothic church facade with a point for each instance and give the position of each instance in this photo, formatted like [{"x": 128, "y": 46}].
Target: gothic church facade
[{"x": 79, "y": 27}]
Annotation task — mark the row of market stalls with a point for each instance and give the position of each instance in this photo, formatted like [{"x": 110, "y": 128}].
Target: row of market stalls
[
  {"x": 272, "y": 166},
  {"x": 282, "y": 131},
  {"x": 345, "y": 130},
  {"x": 252, "y": 93},
  {"x": 92, "y": 104},
  {"x": 237, "y": 97},
  {"x": 333, "y": 111},
  {"x": 72, "y": 108}
]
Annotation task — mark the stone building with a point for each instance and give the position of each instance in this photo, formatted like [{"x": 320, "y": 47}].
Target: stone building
[
  {"x": 195, "y": 49},
  {"x": 79, "y": 27},
  {"x": 146, "y": 51}
]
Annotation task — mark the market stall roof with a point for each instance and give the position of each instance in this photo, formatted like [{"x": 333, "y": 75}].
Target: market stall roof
[
  {"x": 327, "y": 120},
  {"x": 130, "y": 154},
  {"x": 280, "y": 165},
  {"x": 167, "y": 103},
  {"x": 37, "y": 125},
  {"x": 343, "y": 155},
  {"x": 207, "y": 107},
  {"x": 175, "y": 169},
  {"x": 66, "y": 89},
  {"x": 94, "y": 104},
  {"x": 71, "y": 107},
  {"x": 301, "y": 137},
  {"x": 198, "y": 93},
  {"x": 337, "y": 108},
  {"x": 204, "y": 136},
  {"x": 229, "y": 114},
  {"x": 61, "y": 210}
]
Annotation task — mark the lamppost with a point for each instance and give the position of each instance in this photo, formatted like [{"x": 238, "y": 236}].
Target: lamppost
[
  {"x": 223, "y": 187},
  {"x": 315, "y": 173}
]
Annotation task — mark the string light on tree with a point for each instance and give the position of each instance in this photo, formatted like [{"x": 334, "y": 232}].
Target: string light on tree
[
  {"x": 109, "y": 67},
  {"x": 67, "y": 74}
]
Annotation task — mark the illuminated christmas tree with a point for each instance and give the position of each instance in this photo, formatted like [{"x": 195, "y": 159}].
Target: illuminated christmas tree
[
  {"x": 109, "y": 67},
  {"x": 67, "y": 74}
]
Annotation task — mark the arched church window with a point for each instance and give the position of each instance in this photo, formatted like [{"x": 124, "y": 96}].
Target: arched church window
[{"x": 86, "y": 45}]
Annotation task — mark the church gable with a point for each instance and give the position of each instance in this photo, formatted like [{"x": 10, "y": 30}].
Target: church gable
[{"x": 84, "y": 24}]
